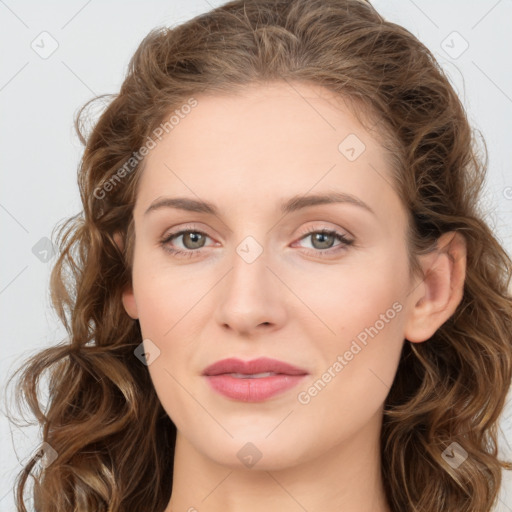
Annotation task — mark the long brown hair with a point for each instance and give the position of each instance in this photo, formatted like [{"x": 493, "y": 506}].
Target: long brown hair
[{"x": 113, "y": 440}]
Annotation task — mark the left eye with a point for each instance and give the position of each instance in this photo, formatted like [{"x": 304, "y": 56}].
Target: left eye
[{"x": 325, "y": 239}]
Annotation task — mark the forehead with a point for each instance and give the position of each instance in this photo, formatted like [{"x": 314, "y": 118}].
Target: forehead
[{"x": 278, "y": 138}]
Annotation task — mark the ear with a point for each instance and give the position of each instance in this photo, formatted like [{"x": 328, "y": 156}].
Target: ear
[
  {"x": 128, "y": 296},
  {"x": 436, "y": 297},
  {"x": 129, "y": 303}
]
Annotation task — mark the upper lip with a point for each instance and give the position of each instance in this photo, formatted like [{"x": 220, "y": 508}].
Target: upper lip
[{"x": 260, "y": 365}]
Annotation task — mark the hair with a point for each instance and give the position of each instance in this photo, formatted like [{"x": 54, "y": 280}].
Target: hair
[{"x": 114, "y": 441}]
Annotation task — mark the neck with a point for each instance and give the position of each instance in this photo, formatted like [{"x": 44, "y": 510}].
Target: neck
[{"x": 347, "y": 478}]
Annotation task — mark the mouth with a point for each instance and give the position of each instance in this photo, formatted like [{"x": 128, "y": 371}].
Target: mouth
[
  {"x": 252, "y": 381},
  {"x": 252, "y": 375}
]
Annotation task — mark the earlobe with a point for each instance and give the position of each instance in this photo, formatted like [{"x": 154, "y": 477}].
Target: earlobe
[
  {"x": 118, "y": 239},
  {"x": 436, "y": 297},
  {"x": 129, "y": 303}
]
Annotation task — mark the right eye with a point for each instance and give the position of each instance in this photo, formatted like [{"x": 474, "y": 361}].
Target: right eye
[{"x": 192, "y": 241}]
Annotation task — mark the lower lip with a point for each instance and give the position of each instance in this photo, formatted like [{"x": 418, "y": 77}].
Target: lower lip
[{"x": 252, "y": 390}]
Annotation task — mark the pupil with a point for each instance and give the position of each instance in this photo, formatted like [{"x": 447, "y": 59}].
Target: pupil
[
  {"x": 194, "y": 236},
  {"x": 318, "y": 237}
]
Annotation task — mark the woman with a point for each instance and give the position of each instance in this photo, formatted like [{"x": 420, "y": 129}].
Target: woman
[{"x": 281, "y": 294}]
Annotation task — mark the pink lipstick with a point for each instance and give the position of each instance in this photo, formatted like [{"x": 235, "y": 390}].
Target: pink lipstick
[{"x": 252, "y": 381}]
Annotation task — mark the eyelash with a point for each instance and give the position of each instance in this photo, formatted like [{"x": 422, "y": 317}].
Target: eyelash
[{"x": 345, "y": 242}]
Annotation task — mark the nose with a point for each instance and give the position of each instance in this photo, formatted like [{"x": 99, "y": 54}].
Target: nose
[{"x": 251, "y": 298}]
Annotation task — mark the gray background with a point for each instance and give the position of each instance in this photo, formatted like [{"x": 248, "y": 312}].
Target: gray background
[{"x": 40, "y": 93}]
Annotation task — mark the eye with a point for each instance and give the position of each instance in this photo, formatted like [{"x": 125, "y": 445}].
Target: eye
[
  {"x": 192, "y": 240},
  {"x": 322, "y": 241}
]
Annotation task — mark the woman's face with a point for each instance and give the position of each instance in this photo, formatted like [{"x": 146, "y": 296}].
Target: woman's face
[{"x": 257, "y": 278}]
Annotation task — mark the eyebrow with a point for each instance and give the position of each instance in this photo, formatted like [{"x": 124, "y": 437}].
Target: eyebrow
[{"x": 293, "y": 204}]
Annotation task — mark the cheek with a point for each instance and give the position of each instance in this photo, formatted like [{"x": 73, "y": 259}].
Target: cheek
[
  {"x": 163, "y": 320},
  {"x": 348, "y": 299},
  {"x": 169, "y": 306},
  {"x": 358, "y": 357},
  {"x": 357, "y": 365},
  {"x": 163, "y": 297}
]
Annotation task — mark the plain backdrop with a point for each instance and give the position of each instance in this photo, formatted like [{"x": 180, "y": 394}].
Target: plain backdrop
[{"x": 58, "y": 54}]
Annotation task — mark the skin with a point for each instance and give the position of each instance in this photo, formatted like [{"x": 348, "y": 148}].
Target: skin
[{"x": 247, "y": 153}]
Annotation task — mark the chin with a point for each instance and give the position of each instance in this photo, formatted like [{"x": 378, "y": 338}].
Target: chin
[{"x": 254, "y": 450}]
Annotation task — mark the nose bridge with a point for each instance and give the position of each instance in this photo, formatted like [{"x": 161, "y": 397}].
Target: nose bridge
[
  {"x": 248, "y": 280},
  {"x": 250, "y": 295}
]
